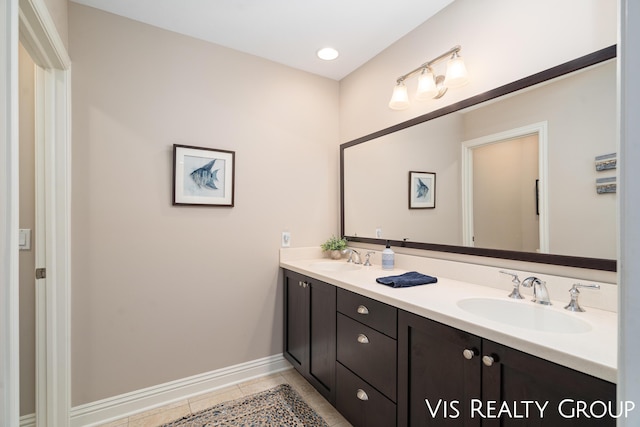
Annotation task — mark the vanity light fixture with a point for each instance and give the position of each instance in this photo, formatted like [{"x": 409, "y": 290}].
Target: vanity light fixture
[{"x": 431, "y": 85}]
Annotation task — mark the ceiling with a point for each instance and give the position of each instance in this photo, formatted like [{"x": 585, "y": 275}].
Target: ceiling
[{"x": 289, "y": 32}]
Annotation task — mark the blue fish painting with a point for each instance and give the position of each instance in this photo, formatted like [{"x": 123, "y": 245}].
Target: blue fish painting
[
  {"x": 422, "y": 190},
  {"x": 205, "y": 177}
]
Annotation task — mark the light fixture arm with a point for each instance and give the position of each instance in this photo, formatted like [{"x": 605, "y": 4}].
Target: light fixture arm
[{"x": 454, "y": 50}]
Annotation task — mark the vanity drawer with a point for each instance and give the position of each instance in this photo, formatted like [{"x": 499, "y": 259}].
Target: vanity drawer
[
  {"x": 368, "y": 353},
  {"x": 376, "y": 314},
  {"x": 361, "y": 404}
]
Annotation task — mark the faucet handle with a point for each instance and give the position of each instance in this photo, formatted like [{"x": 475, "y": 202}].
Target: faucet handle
[
  {"x": 367, "y": 262},
  {"x": 515, "y": 293},
  {"x": 574, "y": 292}
]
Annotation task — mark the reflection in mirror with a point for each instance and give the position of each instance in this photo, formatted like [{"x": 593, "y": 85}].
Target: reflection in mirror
[
  {"x": 552, "y": 205},
  {"x": 503, "y": 203}
]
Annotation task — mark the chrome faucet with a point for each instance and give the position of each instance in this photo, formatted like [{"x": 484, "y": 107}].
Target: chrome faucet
[
  {"x": 540, "y": 293},
  {"x": 354, "y": 256}
]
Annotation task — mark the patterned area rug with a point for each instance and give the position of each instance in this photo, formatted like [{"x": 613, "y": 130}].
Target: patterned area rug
[{"x": 279, "y": 406}]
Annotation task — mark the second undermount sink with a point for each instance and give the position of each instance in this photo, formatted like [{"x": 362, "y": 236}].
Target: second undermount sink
[
  {"x": 334, "y": 266},
  {"x": 525, "y": 314}
]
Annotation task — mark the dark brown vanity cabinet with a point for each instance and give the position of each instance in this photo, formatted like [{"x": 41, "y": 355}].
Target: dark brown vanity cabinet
[
  {"x": 380, "y": 366},
  {"x": 310, "y": 330},
  {"x": 366, "y": 383},
  {"x": 448, "y": 377}
]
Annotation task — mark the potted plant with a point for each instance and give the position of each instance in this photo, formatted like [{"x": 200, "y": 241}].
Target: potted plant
[{"x": 334, "y": 246}]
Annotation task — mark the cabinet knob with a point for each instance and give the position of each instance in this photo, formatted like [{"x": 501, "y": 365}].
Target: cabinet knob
[
  {"x": 362, "y": 339},
  {"x": 469, "y": 354},
  {"x": 362, "y": 310},
  {"x": 488, "y": 360},
  {"x": 362, "y": 395}
]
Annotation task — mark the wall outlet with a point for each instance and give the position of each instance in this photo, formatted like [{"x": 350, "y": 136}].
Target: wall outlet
[
  {"x": 286, "y": 239},
  {"x": 379, "y": 233}
]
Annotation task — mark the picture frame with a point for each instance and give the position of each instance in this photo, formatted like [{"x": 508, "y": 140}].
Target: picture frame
[
  {"x": 203, "y": 176},
  {"x": 422, "y": 190}
]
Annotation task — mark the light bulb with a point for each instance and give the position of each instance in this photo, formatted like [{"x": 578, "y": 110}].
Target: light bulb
[
  {"x": 400, "y": 98},
  {"x": 456, "y": 72},
  {"x": 426, "y": 85}
]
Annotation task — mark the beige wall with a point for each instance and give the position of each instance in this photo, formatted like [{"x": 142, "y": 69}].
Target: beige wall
[
  {"x": 27, "y": 220},
  {"x": 160, "y": 292}
]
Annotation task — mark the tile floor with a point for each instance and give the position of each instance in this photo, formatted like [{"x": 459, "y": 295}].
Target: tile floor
[{"x": 165, "y": 414}]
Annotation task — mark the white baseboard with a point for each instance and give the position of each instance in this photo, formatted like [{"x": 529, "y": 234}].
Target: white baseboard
[
  {"x": 28, "y": 420},
  {"x": 117, "y": 407}
]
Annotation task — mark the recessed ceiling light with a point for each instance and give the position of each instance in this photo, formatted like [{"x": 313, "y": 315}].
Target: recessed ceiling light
[{"x": 327, "y": 53}]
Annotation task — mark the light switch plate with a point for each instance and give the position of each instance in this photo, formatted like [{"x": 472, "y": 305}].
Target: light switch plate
[
  {"x": 25, "y": 239},
  {"x": 286, "y": 239}
]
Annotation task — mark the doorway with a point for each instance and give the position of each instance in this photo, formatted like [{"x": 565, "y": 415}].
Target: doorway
[
  {"x": 504, "y": 195},
  {"x": 28, "y": 239}
]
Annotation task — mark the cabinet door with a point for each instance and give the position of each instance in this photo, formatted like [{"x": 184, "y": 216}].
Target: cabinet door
[
  {"x": 310, "y": 330},
  {"x": 296, "y": 325},
  {"x": 515, "y": 376},
  {"x": 435, "y": 380},
  {"x": 322, "y": 334}
]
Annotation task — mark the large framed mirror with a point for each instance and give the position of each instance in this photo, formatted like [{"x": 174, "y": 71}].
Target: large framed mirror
[{"x": 517, "y": 169}]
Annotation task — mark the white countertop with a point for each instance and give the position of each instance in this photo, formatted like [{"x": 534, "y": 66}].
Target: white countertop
[{"x": 593, "y": 352}]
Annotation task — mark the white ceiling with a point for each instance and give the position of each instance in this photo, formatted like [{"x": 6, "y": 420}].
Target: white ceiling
[{"x": 286, "y": 31}]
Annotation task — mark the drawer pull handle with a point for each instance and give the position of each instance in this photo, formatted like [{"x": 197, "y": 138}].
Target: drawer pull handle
[
  {"x": 362, "y": 310},
  {"x": 469, "y": 354},
  {"x": 488, "y": 360},
  {"x": 362, "y": 339},
  {"x": 362, "y": 395}
]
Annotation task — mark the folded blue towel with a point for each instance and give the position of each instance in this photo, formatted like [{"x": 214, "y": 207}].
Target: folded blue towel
[{"x": 412, "y": 278}]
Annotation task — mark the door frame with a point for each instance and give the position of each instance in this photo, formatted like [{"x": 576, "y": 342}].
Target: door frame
[
  {"x": 539, "y": 129},
  {"x": 9, "y": 217},
  {"x": 33, "y": 26}
]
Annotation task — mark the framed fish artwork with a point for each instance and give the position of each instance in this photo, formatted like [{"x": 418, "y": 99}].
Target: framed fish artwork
[
  {"x": 422, "y": 190},
  {"x": 203, "y": 176}
]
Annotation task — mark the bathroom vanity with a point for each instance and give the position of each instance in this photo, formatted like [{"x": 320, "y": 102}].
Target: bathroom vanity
[{"x": 414, "y": 357}]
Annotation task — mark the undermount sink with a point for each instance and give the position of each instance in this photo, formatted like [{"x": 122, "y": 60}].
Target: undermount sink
[
  {"x": 525, "y": 314},
  {"x": 334, "y": 266}
]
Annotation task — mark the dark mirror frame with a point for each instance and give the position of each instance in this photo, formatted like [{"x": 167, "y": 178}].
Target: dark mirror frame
[{"x": 543, "y": 76}]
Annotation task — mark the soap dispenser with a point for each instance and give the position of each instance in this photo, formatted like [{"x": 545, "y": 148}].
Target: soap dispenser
[{"x": 387, "y": 258}]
